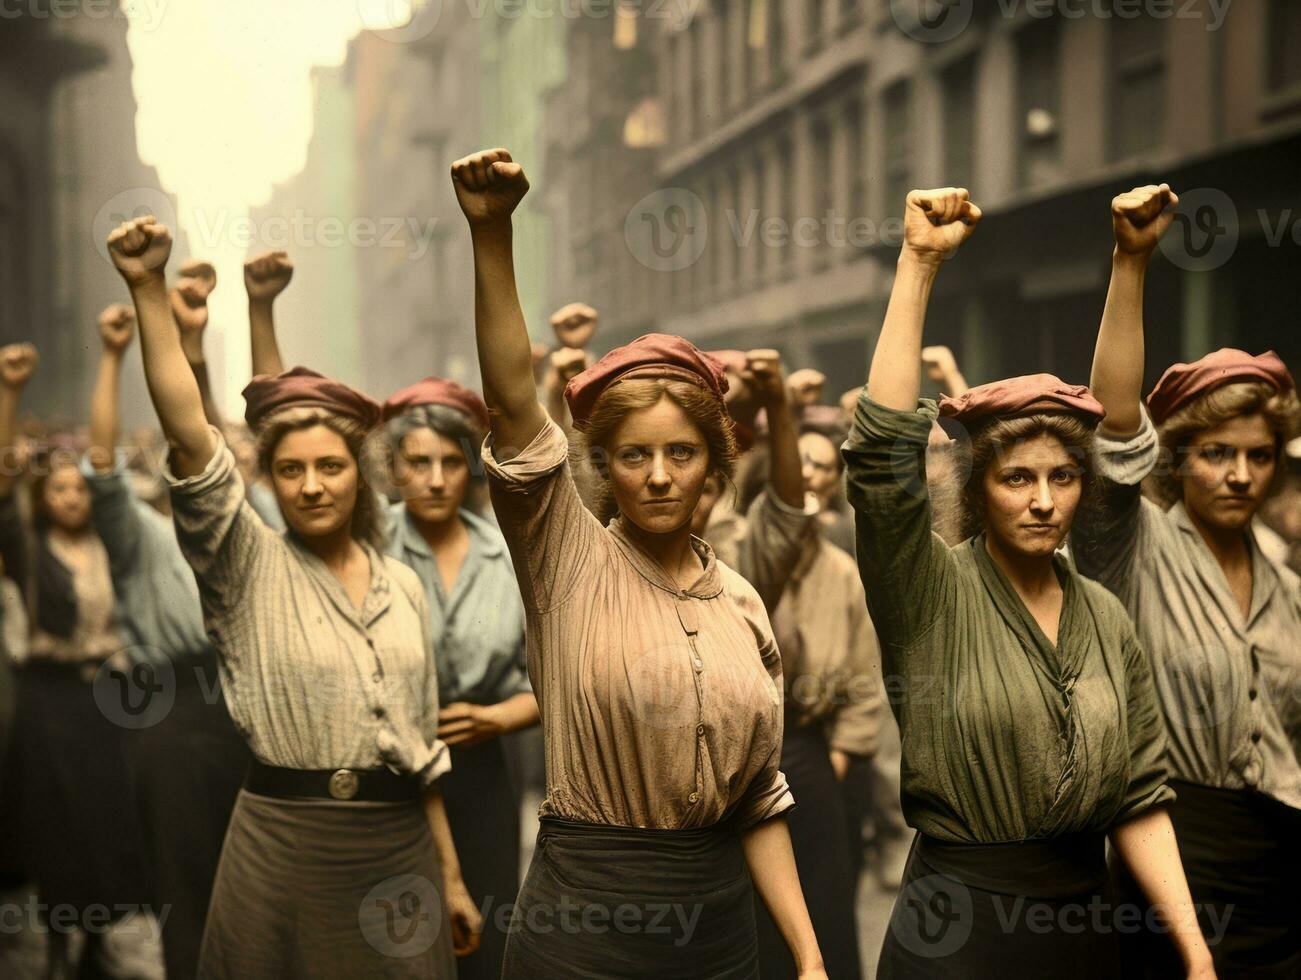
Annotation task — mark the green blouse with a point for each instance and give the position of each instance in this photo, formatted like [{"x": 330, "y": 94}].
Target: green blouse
[{"x": 1005, "y": 737}]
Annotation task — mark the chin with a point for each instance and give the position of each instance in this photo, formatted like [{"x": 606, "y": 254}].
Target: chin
[{"x": 660, "y": 523}]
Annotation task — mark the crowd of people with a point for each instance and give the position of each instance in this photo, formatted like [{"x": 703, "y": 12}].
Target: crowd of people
[{"x": 1054, "y": 629}]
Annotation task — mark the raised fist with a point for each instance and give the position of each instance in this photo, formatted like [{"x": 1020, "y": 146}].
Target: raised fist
[
  {"x": 936, "y": 222},
  {"x": 267, "y": 275},
  {"x": 140, "y": 249},
  {"x": 575, "y": 325},
  {"x": 17, "y": 365},
  {"x": 763, "y": 376},
  {"x": 117, "y": 327},
  {"x": 939, "y": 362},
  {"x": 190, "y": 298},
  {"x": 489, "y": 185},
  {"x": 804, "y": 387},
  {"x": 568, "y": 362},
  {"x": 1140, "y": 217},
  {"x": 849, "y": 402},
  {"x": 202, "y": 274}
]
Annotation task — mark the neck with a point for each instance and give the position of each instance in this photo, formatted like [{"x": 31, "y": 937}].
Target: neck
[
  {"x": 440, "y": 534},
  {"x": 1227, "y": 545},
  {"x": 68, "y": 536},
  {"x": 333, "y": 549},
  {"x": 1030, "y": 575},
  {"x": 671, "y": 551}
]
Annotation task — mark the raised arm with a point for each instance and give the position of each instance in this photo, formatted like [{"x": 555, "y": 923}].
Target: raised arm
[
  {"x": 935, "y": 223},
  {"x": 265, "y": 278},
  {"x": 565, "y": 363},
  {"x": 489, "y": 186},
  {"x": 763, "y": 375},
  {"x": 116, "y": 329},
  {"x": 190, "y": 309},
  {"x": 1138, "y": 219},
  {"x": 140, "y": 249},
  {"x": 942, "y": 368},
  {"x": 18, "y": 363}
]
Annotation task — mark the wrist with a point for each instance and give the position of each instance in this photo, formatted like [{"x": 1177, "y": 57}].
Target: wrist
[
  {"x": 926, "y": 264},
  {"x": 489, "y": 231},
  {"x": 1130, "y": 261},
  {"x": 153, "y": 280}
]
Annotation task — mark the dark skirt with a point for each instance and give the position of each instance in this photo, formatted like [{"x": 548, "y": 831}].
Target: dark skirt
[
  {"x": 823, "y": 858},
  {"x": 1241, "y": 851},
  {"x": 320, "y": 888},
  {"x": 70, "y": 815},
  {"x": 618, "y": 903},
  {"x": 483, "y": 810},
  {"x": 1029, "y": 909},
  {"x": 186, "y": 770}
]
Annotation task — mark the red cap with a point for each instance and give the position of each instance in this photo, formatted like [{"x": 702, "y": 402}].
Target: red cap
[
  {"x": 1182, "y": 383},
  {"x": 655, "y": 355},
  {"x": 302, "y": 388},
  {"x": 1022, "y": 396},
  {"x": 438, "y": 391}
]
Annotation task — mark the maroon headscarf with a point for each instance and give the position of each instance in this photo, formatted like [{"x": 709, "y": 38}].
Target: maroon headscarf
[
  {"x": 1182, "y": 383},
  {"x": 655, "y": 355},
  {"x": 438, "y": 391},
  {"x": 1022, "y": 396},
  {"x": 301, "y": 388}
]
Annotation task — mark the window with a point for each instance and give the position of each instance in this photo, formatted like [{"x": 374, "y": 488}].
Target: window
[
  {"x": 1137, "y": 85},
  {"x": 959, "y": 122},
  {"x": 1285, "y": 42},
  {"x": 898, "y": 147},
  {"x": 856, "y": 171},
  {"x": 823, "y": 204},
  {"x": 760, "y": 260},
  {"x": 696, "y": 60},
  {"x": 1039, "y": 103},
  {"x": 786, "y": 181},
  {"x": 776, "y": 39}
]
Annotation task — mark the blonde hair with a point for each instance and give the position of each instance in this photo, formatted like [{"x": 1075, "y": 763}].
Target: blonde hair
[
  {"x": 1281, "y": 409},
  {"x": 706, "y": 412},
  {"x": 368, "y": 523}
]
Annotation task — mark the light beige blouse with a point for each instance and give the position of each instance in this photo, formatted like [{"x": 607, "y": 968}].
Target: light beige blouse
[{"x": 661, "y": 708}]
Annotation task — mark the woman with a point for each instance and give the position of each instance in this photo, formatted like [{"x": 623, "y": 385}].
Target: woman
[
  {"x": 655, "y": 667},
  {"x": 339, "y": 841},
  {"x": 431, "y": 432},
  {"x": 78, "y": 830},
  {"x": 1029, "y": 726},
  {"x": 1220, "y": 622}
]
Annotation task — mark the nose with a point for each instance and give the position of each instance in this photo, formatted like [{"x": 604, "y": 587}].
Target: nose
[
  {"x": 807, "y": 473},
  {"x": 312, "y": 485},
  {"x": 1240, "y": 476},
  {"x": 436, "y": 476},
  {"x": 659, "y": 474},
  {"x": 1042, "y": 503}
]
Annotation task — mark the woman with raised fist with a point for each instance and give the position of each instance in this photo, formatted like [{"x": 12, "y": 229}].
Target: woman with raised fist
[
  {"x": 1220, "y": 622},
  {"x": 654, "y": 664},
  {"x": 1029, "y": 725},
  {"x": 338, "y": 861},
  {"x": 433, "y": 431}
]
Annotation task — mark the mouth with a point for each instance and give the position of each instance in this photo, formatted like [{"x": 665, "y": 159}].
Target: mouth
[
  {"x": 661, "y": 503},
  {"x": 1040, "y": 527}
]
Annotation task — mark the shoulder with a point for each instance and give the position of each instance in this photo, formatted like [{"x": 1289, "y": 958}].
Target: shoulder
[
  {"x": 738, "y": 590},
  {"x": 404, "y": 579},
  {"x": 1110, "y": 610}
]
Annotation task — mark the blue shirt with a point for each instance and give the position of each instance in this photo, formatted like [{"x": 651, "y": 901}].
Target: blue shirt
[{"x": 478, "y": 631}]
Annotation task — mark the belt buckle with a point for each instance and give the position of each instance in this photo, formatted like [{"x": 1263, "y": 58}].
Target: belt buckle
[{"x": 344, "y": 784}]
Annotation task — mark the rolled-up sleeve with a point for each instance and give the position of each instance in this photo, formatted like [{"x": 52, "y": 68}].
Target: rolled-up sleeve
[{"x": 768, "y": 550}]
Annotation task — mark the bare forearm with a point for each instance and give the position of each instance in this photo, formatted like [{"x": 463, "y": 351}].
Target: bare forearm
[
  {"x": 210, "y": 409},
  {"x": 771, "y": 860},
  {"x": 1117, "y": 378},
  {"x": 262, "y": 336},
  {"x": 105, "y": 412},
  {"x": 441, "y": 831},
  {"x": 786, "y": 472},
  {"x": 517, "y": 713},
  {"x": 171, "y": 383},
  {"x": 895, "y": 377},
  {"x": 1147, "y": 845},
  {"x": 505, "y": 352}
]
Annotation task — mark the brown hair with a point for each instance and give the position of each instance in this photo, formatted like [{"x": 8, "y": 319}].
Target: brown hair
[
  {"x": 53, "y": 461},
  {"x": 367, "y": 518},
  {"x": 706, "y": 412},
  {"x": 1281, "y": 410},
  {"x": 442, "y": 420},
  {"x": 990, "y": 438}
]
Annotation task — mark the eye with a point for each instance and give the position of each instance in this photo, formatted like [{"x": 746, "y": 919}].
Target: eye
[
  {"x": 1262, "y": 457},
  {"x": 1015, "y": 480},
  {"x": 1216, "y": 454},
  {"x": 1065, "y": 477},
  {"x": 631, "y": 456},
  {"x": 681, "y": 453},
  {"x": 290, "y": 469},
  {"x": 332, "y": 468}
]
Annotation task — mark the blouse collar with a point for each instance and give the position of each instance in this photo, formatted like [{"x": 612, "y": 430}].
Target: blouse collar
[{"x": 709, "y": 584}]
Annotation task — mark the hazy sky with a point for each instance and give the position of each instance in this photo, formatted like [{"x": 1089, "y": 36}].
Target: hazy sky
[{"x": 225, "y": 111}]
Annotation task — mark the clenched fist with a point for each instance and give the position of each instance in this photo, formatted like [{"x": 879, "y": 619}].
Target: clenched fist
[
  {"x": 1140, "y": 217},
  {"x": 568, "y": 362},
  {"x": 140, "y": 249},
  {"x": 267, "y": 275},
  {"x": 489, "y": 185},
  {"x": 936, "y": 222},
  {"x": 804, "y": 387},
  {"x": 763, "y": 376},
  {"x": 117, "y": 327},
  {"x": 574, "y": 325},
  {"x": 190, "y": 297},
  {"x": 17, "y": 365}
]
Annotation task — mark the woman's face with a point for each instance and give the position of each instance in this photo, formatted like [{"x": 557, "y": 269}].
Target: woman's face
[
  {"x": 821, "y": 466},
  {"x": 66, "y": 499},
  {"x": 1228, "y": 471},
  {"x": 1031, "y": 493},
  {"x": 658, "y": 463},
  {"x": 316, "y": 480},
  {"x": 432, "y": 474}
]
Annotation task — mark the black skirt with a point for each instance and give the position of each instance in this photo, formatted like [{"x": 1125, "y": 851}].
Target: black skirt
[
  {"x": 618, "y": 903},
  {"x": 1029, "y": 909},
  {"x": 823, "y": 859},
  {"x": 1241, "y": 851},
  {"x": 483, "y": 811}
]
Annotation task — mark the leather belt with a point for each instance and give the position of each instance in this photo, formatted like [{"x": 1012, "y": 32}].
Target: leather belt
[{"x": 347, "y": 785}]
